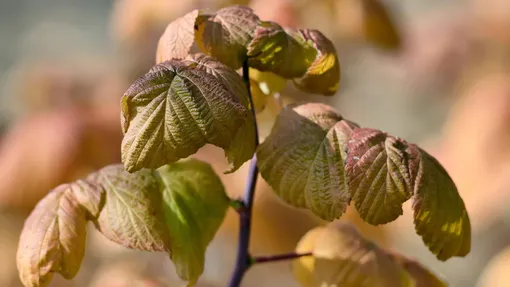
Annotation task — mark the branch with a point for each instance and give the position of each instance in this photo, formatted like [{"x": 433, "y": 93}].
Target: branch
[
  {"x": 243, "y": 260},
  {"x": 280, "y": 257}
]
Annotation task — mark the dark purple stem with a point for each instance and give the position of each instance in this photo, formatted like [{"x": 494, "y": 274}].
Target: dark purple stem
[
  {"x": 280, "y": 257},
  {"x": 243, "y": 260}
]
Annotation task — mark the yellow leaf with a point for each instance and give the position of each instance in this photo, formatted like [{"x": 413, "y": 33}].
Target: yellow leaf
[
  {"x": 342, "y": 257},
  {"x": 269, "y": 83},
  {"x": 281, "y": 51},
  {"x": 440, "y": 216},
  {"x": 258, "y": 96},
  {"x": 323, "y": 76}
]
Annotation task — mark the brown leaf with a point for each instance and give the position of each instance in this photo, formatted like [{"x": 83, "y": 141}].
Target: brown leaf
[
  {"x": 176, "y": 41},
  {"x": 380, "y": 173},
  {"x": 53, "y": 239}
]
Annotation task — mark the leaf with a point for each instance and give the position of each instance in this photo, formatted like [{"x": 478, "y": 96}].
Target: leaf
[
  {"x": 194, "y": 206},
  {"x": 323, "y": 76},
  {"x": 385, "y": 171},
  {"x": 177, "y": 208},
  {"x": 440, "y": 216},
  {"x": 269, "y": 83},
  {"x": 283, "y": 52},
  {"x": 132, "y": 214},
  {"x": 174, "y": 110},
  {"x": 226, "y": 34},
  {"x": 53, "y": 239},
  {"x": 303, "y": 159},
  {"x": 176, "y": 41},
  {"x": 342, "y": 257},
  {"x": 380, "y": 174},
  {"x": 258, "y": 96},
  {"x": 421, "y": 276},
  {"x": 89, "y": 195},
  {"x": 242, "y": 147}
]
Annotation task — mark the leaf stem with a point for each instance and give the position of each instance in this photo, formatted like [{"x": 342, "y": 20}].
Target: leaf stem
[
  {"x": 279, "y": 257},
  {"x": 244, "y": 260}
]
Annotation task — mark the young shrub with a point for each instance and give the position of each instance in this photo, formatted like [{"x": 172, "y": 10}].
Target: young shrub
[{"x": 158, "y": 200}]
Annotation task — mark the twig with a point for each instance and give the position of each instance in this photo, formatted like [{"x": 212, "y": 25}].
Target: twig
[
  {"x": 279, "y": 257},
  {"x": 243, "y": 260}
]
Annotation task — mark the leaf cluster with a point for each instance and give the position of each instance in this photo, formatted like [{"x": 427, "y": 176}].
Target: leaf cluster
[
  {"x": 158, "y": 200},
  {"x": 175, "y": 209}
]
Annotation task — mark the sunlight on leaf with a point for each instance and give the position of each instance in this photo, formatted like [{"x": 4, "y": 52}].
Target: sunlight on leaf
[
  {"x": 342, "y": 257},
  {"x": 173, "y": 111},
  {"x": 323, "y": 76},
  {"x": 315, "y": 159},
  {"x": 283, "y": 52},
  {"x": 439, "y": 212},
  {"x": 53, "y": 238},
  {"x": 176, "y": 41},
  {"x": 269, "y": 83},
  {"x": 303, "y": 158},
  {"x": 385, "y": 171},
  {"x": 226, "y": 34},
  {"x": 242, "y": 147},
  {"x": 259, "y": 97}
]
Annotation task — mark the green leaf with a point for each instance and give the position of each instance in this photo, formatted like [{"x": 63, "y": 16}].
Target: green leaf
[
  {"x": 323, "y": 76},
  {"x": 132, "y": 212},
  {"x": 173, "y": 111},
  {"x": 303, "y": 158},
  {"x": 342, "y": 257},
  {"x": 177, "y": 209},
  {"x": 53, "y": 238},
  {"x": 283, "y": 52},
  {"x": 380, "y": 175},
  {"x": 440, "y": 216},
  {"x": 176, "y": 41},
  {"x": 242, "y": 147},
  {"x": 194, "y": 206},
  {"x": 226, "y": 34}
]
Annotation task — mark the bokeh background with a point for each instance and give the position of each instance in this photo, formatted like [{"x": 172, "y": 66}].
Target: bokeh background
[{"x": 433, "y": 72}]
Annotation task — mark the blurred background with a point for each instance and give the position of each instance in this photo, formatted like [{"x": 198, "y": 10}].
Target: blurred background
[{"x": 435, "y": 73}]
